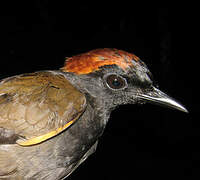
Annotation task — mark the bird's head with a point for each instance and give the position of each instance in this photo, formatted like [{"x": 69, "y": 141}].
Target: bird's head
[{"x": 116, "y": 77}]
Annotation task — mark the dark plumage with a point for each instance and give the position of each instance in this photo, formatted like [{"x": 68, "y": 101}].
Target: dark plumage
[{"x": 50, "y": 121}]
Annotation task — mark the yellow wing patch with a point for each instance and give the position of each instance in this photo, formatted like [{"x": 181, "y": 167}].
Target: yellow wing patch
[{"x": 44, "y": 137}]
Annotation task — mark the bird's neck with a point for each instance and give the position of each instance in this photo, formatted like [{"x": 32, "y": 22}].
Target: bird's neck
[{"x": 101, "y": 107}]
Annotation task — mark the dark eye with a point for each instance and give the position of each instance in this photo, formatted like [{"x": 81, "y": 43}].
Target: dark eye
[{"x": 115, "y": 81}]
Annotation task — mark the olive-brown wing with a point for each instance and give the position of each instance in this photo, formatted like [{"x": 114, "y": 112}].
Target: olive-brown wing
[{"x": 37, "y": 106}]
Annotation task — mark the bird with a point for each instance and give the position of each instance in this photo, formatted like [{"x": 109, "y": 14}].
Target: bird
[{"x": 51, "y": 120}]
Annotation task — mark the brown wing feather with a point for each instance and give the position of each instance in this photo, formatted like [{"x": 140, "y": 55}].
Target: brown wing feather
[
  {"x": 8, "y": 165},
  {"x": 38, "y": 106}
]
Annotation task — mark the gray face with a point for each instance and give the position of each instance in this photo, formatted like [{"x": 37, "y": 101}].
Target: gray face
[
  {"x": 114, "y": 86},
  {"x": 124, "y": 87}
]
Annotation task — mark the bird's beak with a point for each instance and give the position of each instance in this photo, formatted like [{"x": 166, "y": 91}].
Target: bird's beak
[{"x": 158, "y": 97}]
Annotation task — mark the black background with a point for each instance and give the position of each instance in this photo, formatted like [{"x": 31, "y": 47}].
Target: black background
[{"x": 145, "y": 141}]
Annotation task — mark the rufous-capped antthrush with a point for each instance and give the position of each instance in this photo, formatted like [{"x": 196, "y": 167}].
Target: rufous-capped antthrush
[{"x": 50, "y": 121}]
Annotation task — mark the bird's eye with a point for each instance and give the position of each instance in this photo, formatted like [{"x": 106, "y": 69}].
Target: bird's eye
[{"x": 114, "y": 81}]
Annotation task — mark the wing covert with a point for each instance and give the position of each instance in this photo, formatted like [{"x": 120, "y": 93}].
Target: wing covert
[{"x": 38, "y": 106}]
